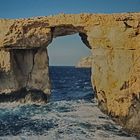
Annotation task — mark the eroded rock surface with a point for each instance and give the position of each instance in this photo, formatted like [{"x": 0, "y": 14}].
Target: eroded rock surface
[{"x": 115, "y": 43}]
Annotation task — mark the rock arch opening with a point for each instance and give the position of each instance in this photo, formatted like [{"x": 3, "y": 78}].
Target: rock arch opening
[
  {"x": 29, "y": 68},
  {"x": 67, "y": 50},
  {"x": 114, "y": 40},
  {"x": 69, "y": 82}
]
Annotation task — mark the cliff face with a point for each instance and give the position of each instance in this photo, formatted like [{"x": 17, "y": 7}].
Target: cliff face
[
  {"x": 115, "y": 44},
  {"x": 85, "y": 62}
]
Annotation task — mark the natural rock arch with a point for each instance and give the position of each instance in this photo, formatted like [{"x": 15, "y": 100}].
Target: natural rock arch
[{"x": 114, "y": 40}]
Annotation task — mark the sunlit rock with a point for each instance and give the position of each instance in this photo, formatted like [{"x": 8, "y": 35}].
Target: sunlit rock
[
  {"x": 85, "y": 62},
  {"x": 115, "y": 44}
]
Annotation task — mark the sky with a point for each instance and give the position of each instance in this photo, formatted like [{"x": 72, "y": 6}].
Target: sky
[{"x": 69, "y": 49}]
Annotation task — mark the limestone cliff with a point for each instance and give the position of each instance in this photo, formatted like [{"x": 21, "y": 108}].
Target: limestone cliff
[
  {"x": 115, "y": 44},
  {"x": 85, "y": 62}
]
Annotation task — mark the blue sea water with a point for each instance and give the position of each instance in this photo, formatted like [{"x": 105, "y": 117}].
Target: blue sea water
[{"x": 70, "y": 114}]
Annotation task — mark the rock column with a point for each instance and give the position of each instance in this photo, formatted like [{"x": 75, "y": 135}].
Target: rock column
[{"x": 24, "y": 69}]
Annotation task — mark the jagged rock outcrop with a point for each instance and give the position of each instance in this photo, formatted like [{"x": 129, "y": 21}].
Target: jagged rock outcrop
[
  {"x": 115, "y": 44},
  {"x": 85, "y": 62}
]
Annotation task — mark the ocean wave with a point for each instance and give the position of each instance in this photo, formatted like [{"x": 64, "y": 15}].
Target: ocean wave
[{"x": 71, "y": 114}]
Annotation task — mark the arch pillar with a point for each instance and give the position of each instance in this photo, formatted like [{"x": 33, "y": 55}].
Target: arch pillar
[
  {"x": 116, "y": 73},
  {"x": 24, "y": 69}
]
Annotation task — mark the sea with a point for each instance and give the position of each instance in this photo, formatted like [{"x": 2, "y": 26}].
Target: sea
[{"x": 71, "y": 113}]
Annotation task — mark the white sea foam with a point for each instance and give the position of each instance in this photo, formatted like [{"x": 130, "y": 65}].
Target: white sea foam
[
  {"x": 68, "y": 120},
  {"x": 84, "y": 121}
]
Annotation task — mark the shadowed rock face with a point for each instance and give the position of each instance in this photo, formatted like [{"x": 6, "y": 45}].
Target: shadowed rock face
[
  {"x": 115, "y": 44},
  {"x": 24, "y": 69}
]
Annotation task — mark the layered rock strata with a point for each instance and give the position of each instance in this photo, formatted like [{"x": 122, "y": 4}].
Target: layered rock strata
[{"x": 115, "y": 44}]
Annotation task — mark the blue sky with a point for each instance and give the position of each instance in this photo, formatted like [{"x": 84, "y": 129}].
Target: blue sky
[
  {"x": 72, "y": 44},
  {"x": 67, "y": 50},
  {"x": 29, "y": 8}
]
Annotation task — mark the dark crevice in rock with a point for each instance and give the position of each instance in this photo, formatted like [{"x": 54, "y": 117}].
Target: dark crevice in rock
[
  {"x": 126, "y": 25},
  {"x": 30, "y": 73},
  {"x": 125, "y": 85},
  {"x": 16, "y": 61},
  {"x": 84, "y": 39}
]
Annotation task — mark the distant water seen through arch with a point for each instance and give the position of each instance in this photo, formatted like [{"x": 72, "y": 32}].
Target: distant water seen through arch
[{"x": 67, "y": 50}]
